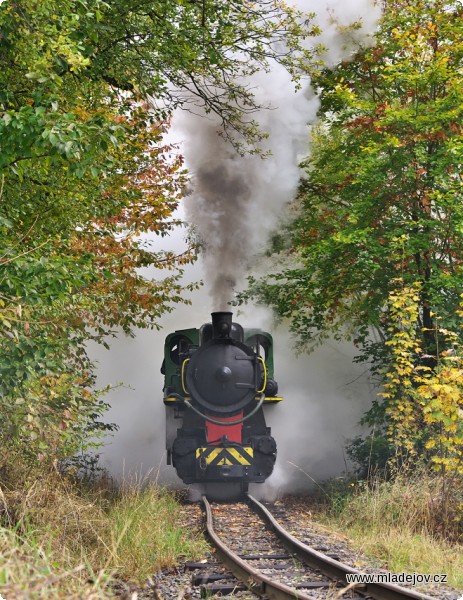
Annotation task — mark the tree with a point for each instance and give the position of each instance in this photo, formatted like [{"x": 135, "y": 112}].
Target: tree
[
  {"x": 84, "y": 176},
  {"x": 382, "y": 198},
  {"x": 71, "y": 263},
  {"x": 179, "y": 52}
]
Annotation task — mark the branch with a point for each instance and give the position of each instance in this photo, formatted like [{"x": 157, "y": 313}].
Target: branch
[{"x": 5, "y": 262}]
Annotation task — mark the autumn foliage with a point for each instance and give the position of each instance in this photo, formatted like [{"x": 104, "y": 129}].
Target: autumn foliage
[
  {"x": 85, "y": 179},
  {"x": 87, "y": 88},
  {"x": 424, "y": 403},
  {"x": 382, "y": 203}
]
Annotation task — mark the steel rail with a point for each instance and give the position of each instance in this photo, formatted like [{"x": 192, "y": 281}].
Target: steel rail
[
  {"x": 255, "y": 581},
  {"x": 331, "y": 567}
]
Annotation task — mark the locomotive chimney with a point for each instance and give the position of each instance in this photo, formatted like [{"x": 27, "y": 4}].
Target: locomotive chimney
[{"x": 221, "y": 324}]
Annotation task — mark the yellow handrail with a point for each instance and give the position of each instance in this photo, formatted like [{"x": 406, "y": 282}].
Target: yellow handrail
[
  {"x": 187, "y": 360},
  {"x": 265, "y": 375}
]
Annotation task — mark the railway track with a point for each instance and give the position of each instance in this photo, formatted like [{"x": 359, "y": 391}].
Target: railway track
[{"x": 272, "y": 563}]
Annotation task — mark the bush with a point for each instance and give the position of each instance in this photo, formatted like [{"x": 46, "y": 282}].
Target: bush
[
  {"x": 418, "y": 503},
  {"x": 370, "y": 455}
]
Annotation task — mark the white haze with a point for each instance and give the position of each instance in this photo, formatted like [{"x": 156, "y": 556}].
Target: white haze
[
  {"x": 235, "y": 203},
  {"x": 324, "y": 396}
]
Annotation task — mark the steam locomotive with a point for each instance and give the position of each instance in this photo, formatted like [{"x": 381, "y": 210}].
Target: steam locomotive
[{"x": 217, "y": 380}]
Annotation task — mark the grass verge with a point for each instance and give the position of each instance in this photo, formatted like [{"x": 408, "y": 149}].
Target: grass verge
[
  {"x": 145, "y": 531},
  {"x": 58, "y": 540},
  {"x": 402, "y": 523}
]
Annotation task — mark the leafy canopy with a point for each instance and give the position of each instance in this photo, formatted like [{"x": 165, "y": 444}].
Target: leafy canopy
[
  {"x": 382, "y": 196},
  {"x": 375, "y": 252},
  {"x": 84, "y": 177}
]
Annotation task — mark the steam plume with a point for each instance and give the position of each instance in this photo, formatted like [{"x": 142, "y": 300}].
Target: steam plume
[{"x": 237, "y": 200}]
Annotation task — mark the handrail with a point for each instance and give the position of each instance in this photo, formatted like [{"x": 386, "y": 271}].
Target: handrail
[
  {"x": 184, "y": 363},
  {"x": 265, "y": 375}
]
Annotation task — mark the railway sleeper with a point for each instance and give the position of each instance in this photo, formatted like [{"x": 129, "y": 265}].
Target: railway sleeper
[
  {"x": 265, "y": 556},
  {"x": 316, "y": 585},
  {"x": 201, "y": 579},
  {"x": 223, "y": 589},
  {"x": 193, "y": 566}
]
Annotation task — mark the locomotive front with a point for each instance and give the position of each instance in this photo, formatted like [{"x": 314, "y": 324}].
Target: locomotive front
[{"x": 217, "y": 380}]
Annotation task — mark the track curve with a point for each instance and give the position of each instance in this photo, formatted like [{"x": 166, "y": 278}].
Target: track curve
[
  {"x": 331, "y": 567},
  {"x": 255, "y": 581},
  {"x": 263, "y": 585}
]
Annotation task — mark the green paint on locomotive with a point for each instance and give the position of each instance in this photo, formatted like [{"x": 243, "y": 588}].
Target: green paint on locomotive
[{"x": 175, "y": 345}]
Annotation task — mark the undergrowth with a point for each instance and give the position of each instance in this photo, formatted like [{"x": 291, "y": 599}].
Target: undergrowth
[
  {"x": 59, "y": 539},
  {"x": 146, "y": 534},
  {"x": 402, "y": 522}
]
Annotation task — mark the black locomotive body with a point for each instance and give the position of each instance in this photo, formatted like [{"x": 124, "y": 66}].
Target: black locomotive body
[{"x": 217, "y": 380}]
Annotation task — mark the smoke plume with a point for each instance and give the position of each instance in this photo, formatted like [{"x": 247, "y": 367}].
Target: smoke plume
[
  {"x": 237, "y": 200},
  {"x": 324, "y": 397}
]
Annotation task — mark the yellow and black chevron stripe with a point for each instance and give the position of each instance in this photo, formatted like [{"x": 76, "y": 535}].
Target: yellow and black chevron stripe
[{"x": 216, "y": 456}]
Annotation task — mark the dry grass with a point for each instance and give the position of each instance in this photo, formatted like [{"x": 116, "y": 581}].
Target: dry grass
[
  {"x": 30, "y": 569},
  {"x": 403, "y": 523},
  {"x": 146, "y": 534},
  {"x": 59, "y": 541}
]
